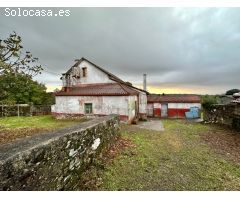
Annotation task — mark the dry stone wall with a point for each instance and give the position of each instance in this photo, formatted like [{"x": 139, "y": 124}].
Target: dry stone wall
[
  {"x": 56, "y": 160},
  {"x": 224, "y": 114}
]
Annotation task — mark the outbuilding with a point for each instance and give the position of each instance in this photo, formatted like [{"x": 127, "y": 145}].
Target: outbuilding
[{"x": 171, "y": 105}]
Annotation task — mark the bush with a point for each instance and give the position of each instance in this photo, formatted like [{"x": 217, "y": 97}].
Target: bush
[{"x": 208, "y": 101}]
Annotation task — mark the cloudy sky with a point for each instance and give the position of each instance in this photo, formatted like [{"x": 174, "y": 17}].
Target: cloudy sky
[{"x": 182, "y": 50}]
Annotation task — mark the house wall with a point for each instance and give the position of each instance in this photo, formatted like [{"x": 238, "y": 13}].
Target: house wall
[
  {"x": 94, "y": 75},
  {"x": 157, "y": 109},
  {"x": 102, "y": 105},
  {"x": 142, "y": 105},
  {"x": 175, "y": 110},
  {"x": 150, "y": 109},
  {"x": 131, "y": 107}
]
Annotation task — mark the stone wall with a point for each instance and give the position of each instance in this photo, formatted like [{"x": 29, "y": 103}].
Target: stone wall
[
  {"x": 224, "y": 114},
  {"x": 56, "y": 160}
]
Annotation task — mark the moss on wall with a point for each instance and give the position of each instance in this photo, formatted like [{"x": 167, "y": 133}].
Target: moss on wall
[{"x": 56, "y": 160}]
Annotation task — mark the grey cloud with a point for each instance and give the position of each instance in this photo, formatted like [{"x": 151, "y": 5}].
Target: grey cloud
[{"x": 187, "y": 47}]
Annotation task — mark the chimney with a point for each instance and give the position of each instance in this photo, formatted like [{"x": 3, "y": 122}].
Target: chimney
[{"x": 145, "y": 82}]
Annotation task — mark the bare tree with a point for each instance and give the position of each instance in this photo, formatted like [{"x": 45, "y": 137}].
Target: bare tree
[{"x": 13, "y": 61}]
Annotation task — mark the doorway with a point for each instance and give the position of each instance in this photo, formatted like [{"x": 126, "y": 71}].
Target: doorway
[{"x": 164, "y": 110}]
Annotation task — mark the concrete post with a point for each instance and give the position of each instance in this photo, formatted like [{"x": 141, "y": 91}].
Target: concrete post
[{"x": 145, "y": 82}]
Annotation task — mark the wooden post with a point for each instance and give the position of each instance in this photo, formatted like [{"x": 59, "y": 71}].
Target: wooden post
[
  {"x": 18, "y": 109},
  {"x": 31, "y": 109}
]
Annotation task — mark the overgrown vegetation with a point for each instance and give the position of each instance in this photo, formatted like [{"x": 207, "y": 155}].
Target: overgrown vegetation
[
  {"x": 208, "y": 101},
  {"x": 175, "y": 159}
]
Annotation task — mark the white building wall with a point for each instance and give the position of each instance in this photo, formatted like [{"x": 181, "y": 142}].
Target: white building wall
[
  {"x": 131, "y": 107},
  {"x": 150, "y": 109},
  {"x": 102, "y": 105},
  {"x": 93, "y": 75},
  {"x": 156, "y": 105},
  {"x": 183, "y": 105},
  {"x": 142, "y": 103}
]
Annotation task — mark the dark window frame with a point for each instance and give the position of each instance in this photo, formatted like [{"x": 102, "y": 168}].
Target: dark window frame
[
  {"x": 84, "y": 71},
  {"x": 88, "y": 108}
]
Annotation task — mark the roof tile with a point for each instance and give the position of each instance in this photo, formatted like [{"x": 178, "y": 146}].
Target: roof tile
[
  {"x": 100, "y": 89},
  {"x": 173, "y": 99}
]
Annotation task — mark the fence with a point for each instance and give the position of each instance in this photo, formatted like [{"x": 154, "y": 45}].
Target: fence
[{"x": 7, "y": 110}]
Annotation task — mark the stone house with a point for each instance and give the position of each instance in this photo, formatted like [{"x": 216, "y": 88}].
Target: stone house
[{"x": 90, "y": 90}]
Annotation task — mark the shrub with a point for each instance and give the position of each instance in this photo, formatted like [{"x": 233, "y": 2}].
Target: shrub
[{"x": 208, "y": 101}]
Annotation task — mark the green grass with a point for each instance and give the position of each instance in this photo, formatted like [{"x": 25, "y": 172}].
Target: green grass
[
  {"x": 175, "y": 159},
  {"x": 45, "y": 121}
]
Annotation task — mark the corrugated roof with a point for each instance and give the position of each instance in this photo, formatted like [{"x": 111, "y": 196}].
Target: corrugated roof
[
  {"x": 173, "y": 99},
  {"x": 102, "y": 89}
]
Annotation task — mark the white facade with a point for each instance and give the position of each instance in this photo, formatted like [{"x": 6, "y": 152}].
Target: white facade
[
  {"x": 184, "y": 105},
  {"x": 104, "y": 105},
  {"x": 93, "y": 75},
  {"x": 142, "y": 102},
  {"x": 175, "y": 105}
]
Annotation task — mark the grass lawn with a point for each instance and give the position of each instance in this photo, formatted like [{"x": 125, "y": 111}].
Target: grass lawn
[
  {"x": 17, "y": 127},
  {"x": 175, "y": 159}
]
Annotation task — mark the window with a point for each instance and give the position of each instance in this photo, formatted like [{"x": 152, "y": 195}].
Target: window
[
  {"x": 88, "y": 108},
  {"x": 84, "y": 71}
]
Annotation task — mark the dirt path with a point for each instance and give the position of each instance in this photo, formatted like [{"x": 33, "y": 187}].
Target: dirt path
[{"x": 151, "y": 124}]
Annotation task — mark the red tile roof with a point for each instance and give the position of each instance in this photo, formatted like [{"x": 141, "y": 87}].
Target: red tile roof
[
  {"x": 173, "y": 98},
  {"x": 100, "y": 89}
]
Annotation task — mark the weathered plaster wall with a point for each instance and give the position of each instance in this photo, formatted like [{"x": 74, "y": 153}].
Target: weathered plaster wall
[
  {"x": 175, "y": 110},
  {"x": 56, "y": 160},
  {"x": 184, "y": 105},
  {"x": 224, "y": 114},
  {"x": 143, "y": 105},
  {"x": 102, "y": 105},
  {"x": 94, "y": 75},
  {"x": 178, "y": 110},
  {"x": 150, "y": 109},
  {"x": 131, "y": 107},
  {"x": 157, "y": 109}
]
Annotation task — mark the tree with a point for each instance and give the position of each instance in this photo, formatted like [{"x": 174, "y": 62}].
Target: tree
[
  {"x": 16, "y": 73},
  {"x": 49, "y": 98},
  {"x": 232, "y": 91},
  {"x": 12, "y": 60},
  {"x": 20, "y": 88}
]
